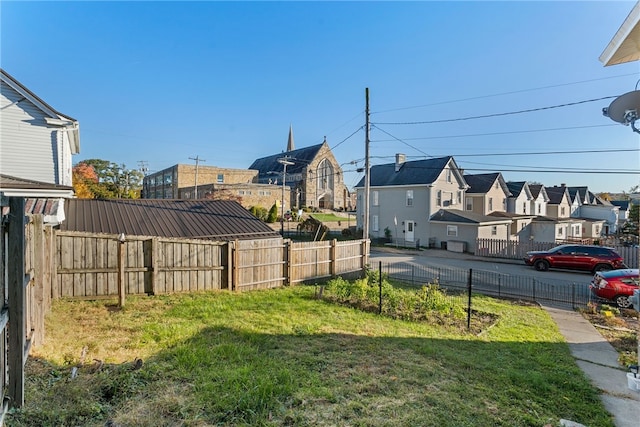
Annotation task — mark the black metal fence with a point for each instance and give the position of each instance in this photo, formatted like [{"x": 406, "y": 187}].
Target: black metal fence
[{"x": 549, "y": 292}]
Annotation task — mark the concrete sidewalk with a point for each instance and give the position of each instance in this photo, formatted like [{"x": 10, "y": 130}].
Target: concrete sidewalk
[{"x": 599, "y": 361}]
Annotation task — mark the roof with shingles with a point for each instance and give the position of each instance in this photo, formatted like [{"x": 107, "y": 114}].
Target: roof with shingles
[
  {"x": 622, "y": 204},
  {"x": 300, "y": 158},
  {"x": 415, "y": 172},
  {"x": 556, "y": 194},
  {"x": 455, "y": 215},
  {"x": 195, "y": 219}
]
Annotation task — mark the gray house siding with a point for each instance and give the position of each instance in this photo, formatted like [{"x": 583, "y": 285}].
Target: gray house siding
[
  {"x": 31, "y": 148},
  {"x": 392, "y": 203}
]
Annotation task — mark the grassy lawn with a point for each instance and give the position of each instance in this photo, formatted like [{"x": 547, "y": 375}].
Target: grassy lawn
[
  {"x": 284, "y": 358},
  {"x": 331, "y": 217}
]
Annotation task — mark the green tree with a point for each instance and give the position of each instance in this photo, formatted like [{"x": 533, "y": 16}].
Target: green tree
[
  {"x": 634, "y": 214},
  {"x": 273, "y": 214},
  {"x": 114, "y": 181}
]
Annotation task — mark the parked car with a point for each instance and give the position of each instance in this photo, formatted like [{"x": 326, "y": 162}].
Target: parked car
[
  {"x": 576, "y": 257},
  {"x": 616, "y": 285}
]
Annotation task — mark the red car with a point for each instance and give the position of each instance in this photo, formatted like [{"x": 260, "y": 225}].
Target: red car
[
  {"x": 616, "y": 285},
  {"x": 576, "y": 257}
]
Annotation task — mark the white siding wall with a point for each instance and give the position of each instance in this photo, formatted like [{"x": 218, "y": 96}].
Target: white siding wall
[{"x": 29, "y": 148}]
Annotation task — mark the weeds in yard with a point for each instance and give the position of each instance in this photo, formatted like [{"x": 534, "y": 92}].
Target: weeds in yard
[{"x": 282, "y": 357}]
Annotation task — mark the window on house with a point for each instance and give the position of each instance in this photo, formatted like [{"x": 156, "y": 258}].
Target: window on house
[
  {"x": 452, "y": 230},
  {"x": 220, "y": 178},
  {"x": 562, "y": 211},
  {"x": 494, "y": 230},
  {"x": 409, "y": 197},
  {"x": 375, "y": 198},
  {"x": 490, "y": 204},
  {"x": 439, "y": 198},
  {"x": 524, "y": 207},
  {"x": 560, "y": 232},
  {"x": 459, "y": 197},
  {"x": 448, "y": 175},
  {"x": 539, "y": 208},
  {"x": 374, "y": 223},
  {"x": 469, "y": 204}
]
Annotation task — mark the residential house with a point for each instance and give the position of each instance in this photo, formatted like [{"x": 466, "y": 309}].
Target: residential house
[
  {"x": 623, "y": 210},
  {"x": 313, "y": 174},
  {"x": 36, "y": 150},
  {"x": 519, "y": 202},
  {"x": 458, "y": 230},
  {"x": 557, "y": 225},
  {"x": 596, "y": 208},
  {"x": 487, "y": 193},
  {"x": 539, "y": 200},
  {"x": 520, "y": 227}
]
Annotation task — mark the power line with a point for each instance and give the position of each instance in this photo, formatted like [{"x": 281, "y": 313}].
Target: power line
[
  {"x": 499, "y": 133},
  {"x": 404, "y": 142},
  {"x": 344, "y": 140},
  {"x": 497, "y": 114},
  {"x": 500, "y": 94}
]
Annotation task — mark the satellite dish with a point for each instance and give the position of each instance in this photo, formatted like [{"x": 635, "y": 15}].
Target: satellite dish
[{"x": 625, "y": 109}]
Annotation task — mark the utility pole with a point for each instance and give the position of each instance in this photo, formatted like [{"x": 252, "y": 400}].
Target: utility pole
[
  {"x": 365, "y": 224},
  {"x": 198, "y": 160},
  {"x": 284, "y": 162}
]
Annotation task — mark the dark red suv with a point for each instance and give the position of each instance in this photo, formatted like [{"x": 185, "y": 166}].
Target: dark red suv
[{"x": 576, "y": 257}]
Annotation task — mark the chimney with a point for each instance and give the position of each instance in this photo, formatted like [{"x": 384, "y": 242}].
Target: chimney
[{"x": 400, "y": 159}]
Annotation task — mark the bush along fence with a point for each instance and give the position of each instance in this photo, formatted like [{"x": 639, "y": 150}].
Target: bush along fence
[
  {"x": 378, "y": 293},
  {"x": 546, "y": 291}
]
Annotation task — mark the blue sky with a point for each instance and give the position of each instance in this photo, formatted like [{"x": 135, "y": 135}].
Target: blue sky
[{"x": 161, "y": 82}]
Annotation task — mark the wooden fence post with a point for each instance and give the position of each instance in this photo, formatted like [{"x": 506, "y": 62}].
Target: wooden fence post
[
  {"x": 333, "y": 256},
  {"x": 38, "y": 288},
  {"x": 234, "y": 265},
  {"x": 288, "y": 268},
  {"x": 150, "y": 288},
  {"x": 121, "y": 275},
  {"x": 16, "y": 297}
]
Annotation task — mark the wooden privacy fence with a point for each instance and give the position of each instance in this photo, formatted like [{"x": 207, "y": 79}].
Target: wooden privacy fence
[
  {"x": 87, "y": 264},
  {"x": 494, "y": 248},
  {"x": 25, "y": 283}
]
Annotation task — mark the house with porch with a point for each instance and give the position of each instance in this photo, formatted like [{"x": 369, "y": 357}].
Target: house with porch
[{"x": 405, "y": 194}]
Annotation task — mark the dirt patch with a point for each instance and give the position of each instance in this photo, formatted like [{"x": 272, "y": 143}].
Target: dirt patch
[{"x": 618, "y": 326}]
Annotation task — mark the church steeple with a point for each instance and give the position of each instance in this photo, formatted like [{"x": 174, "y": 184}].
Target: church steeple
[{"x": 290, "y": 145}]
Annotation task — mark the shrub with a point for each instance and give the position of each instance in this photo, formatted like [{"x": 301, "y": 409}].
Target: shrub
[{"x": 273, "y": 214}]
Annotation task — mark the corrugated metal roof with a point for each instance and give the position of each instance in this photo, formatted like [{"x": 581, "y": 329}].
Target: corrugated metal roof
[{"x": 196, "y": 219}]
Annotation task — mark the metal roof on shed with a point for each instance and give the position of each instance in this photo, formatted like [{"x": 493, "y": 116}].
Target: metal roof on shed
[{"x": 195, "y": 219}]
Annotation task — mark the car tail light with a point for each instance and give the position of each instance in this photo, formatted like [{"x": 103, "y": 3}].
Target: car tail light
[{"x": 599, "y": 281}]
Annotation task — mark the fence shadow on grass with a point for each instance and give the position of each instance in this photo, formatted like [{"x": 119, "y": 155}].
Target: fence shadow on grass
[{"x": 227, "y": 376}]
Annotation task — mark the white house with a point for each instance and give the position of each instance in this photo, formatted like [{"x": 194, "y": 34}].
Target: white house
[
  {"x": 539, "y": 200},
  {"x": 404, "y": 195},
  {"x": 520, "y": 200},
  {"x": 37, "y": 145}
]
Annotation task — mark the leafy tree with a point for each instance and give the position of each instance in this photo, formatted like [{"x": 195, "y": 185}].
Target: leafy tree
[
  {"x": 84, "y": 181},
  {"x": 273, "y": 214},
  {"x": 605, "y": 196},
  {"x": 113, "y": 181},
  {"x": 634, "y": 214}
]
